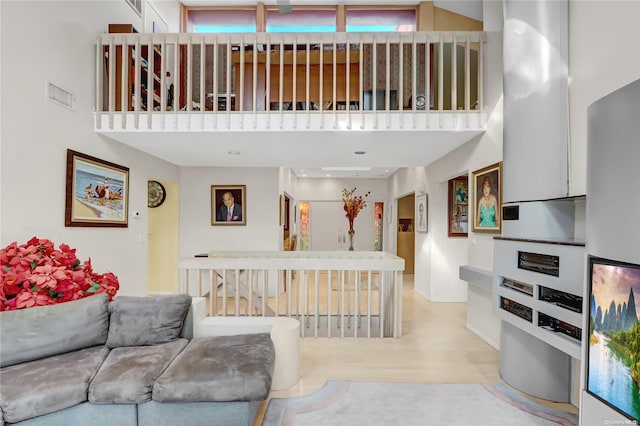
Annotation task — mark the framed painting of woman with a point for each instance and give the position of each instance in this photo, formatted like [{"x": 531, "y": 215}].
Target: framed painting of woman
[{"x": 487, "y": 206}]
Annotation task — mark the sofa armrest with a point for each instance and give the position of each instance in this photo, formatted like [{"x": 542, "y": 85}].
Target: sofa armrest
[
  {"x": 195, "y": 314},
  {"x": 285, "y": 334}
]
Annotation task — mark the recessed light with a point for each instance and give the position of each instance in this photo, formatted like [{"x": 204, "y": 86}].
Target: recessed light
[
  {"x": 328, "y": 175},
  {"x": 386, "y": 171},
  {"x": 234, "y": 153},
  {"x": 345, "y": 169},
  {"x": 360, "y": 152}
]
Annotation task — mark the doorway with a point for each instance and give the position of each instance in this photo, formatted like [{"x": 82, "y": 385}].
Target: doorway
[
  {"x": 406, "y": 231},
  {"x": 162, "y": 241},
  {"x": 285, "y": 217}
]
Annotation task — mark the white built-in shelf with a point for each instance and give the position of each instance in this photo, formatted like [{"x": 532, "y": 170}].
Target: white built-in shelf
[{"x": 525, "y": 307}]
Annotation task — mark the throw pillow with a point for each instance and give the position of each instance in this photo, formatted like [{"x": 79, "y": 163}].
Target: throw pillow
[
  {"x": 141, "y": 321},
  {"x": 43, "y": 331}
]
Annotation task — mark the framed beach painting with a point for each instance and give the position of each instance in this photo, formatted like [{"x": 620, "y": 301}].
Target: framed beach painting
[
  {"x": 228, "y": 205},
  {"x": 97, "y": 192},
  {"x": 458, "y": 206},
  {"x": 487, "y": 205},
  {"x": 421, "y": 214}
]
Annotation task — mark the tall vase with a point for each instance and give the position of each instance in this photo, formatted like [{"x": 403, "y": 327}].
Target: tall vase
[{"x": 351, "y": 240}]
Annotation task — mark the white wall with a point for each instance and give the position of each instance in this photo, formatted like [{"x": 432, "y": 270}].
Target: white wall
[
  {"x": 166, "y": 11},
  {"x": 603, "y": 56},
  {"x": 403, "y": 182},
  {"x": 595, "y": 70},
  {"x": 260, "y": 210},
  {"x": 438, "y": 257},
  {"x": 55, "y": 41},
  {"x": 330, "y": 189}
]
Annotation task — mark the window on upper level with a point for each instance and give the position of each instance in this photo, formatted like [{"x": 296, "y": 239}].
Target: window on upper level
[
  {"x": 379, "y": 20},
  {"x": 221, "y": 21},
  {"x": 301, "y": 21}
]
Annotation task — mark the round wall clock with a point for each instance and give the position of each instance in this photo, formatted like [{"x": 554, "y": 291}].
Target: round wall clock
[{"x": 156, "y": 194}]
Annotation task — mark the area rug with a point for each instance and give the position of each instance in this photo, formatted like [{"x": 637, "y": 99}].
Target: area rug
[{"x": 351, "y": 403}]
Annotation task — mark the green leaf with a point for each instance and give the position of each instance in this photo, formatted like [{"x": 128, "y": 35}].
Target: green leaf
[{"x": 95, "y": 287}]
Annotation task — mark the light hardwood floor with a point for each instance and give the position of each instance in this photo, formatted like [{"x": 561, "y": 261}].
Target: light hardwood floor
[{"x": 436, "y": 347}]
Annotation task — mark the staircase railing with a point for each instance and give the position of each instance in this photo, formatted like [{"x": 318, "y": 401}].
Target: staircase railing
[{"x": 345, "y": 294}]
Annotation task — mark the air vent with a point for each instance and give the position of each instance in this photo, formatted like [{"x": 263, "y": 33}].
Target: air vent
[{"x": 61, "y": 96}]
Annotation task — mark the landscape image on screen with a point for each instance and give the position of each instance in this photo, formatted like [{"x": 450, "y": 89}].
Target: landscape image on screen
[{"x": 614, "y": 335}]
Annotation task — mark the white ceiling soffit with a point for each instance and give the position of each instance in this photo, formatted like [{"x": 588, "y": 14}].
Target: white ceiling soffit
[
  {"x": 468, "y": 8},
  {"x": 308, "y": 150}
]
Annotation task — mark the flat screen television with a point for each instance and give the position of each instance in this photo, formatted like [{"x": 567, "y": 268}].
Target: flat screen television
[{"x": 613, "y": 357}]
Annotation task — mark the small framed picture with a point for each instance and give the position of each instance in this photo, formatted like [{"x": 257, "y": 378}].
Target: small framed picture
[
  {"x": 228, "y": 205},
  {"x": 97, "y": 192},
  {"x": 487, "y": 206},
  {"x": 458, "y": 215},
  {"x": 421, "y": 215},
  {"x": 281, "y": 210}
]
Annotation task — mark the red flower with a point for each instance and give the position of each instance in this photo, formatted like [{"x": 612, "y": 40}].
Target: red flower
[
  {"x": 36, "y": 273},
  {"x": 27, "y": 299},
  {"x": 352, "y": 205},
  {"x": 47, "y": 276}
]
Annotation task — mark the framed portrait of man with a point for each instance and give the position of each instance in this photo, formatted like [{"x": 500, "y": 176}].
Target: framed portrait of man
[{"x": 228, "y": 205}]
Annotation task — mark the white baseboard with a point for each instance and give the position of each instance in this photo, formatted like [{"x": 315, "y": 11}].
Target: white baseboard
[{"x": 491, "y": 342}]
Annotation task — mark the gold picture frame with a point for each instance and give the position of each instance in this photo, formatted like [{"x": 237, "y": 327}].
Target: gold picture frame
[
  {"x": 97, "y": 192},
  {"x": 458, "y": 212},
  {"x": 220, "y": 197},
  {"x": 487, "y": 206}
]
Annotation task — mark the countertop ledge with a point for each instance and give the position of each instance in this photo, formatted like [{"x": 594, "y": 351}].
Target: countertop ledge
[
  {"x": 565, "y": 242},
  {"x": 477, "y": 277}
]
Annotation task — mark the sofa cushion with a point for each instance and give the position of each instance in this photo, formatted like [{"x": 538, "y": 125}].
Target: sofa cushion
[
  {"x": 128, "y": 374},
  {"x": 220, "y": 368},
  {"x": 46, "y": 385},
  {"x": 141, "y": 321},
  {"x": 38, "y": 332}
]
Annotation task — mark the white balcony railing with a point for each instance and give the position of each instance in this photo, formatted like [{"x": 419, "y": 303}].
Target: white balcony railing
[
  {"x": 333, "y": 294},
  {"x": 264, "y": 80}
]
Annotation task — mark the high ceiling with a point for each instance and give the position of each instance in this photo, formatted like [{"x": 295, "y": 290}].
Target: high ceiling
[{"x": 312, "y": 154}]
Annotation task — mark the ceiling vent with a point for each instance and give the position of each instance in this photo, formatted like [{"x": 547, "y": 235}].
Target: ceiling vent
[{"x": 61, "y": 96}]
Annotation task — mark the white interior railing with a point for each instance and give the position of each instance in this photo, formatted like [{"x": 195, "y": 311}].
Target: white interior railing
[
  {"x": 363, "y": 76},
  {"x": 345, "y": 294}
]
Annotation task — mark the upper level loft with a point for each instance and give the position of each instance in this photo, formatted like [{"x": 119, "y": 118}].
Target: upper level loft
[{"x": 346, "y": 81}]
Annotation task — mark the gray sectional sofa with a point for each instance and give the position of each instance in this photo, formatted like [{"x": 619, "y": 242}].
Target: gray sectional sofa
[{"x": 129, "y": 362}]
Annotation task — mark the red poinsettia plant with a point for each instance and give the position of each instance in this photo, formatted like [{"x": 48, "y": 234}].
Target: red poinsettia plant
[
  {"x": 36, "y": 273},
  {"x": 352, "y": 205}
]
